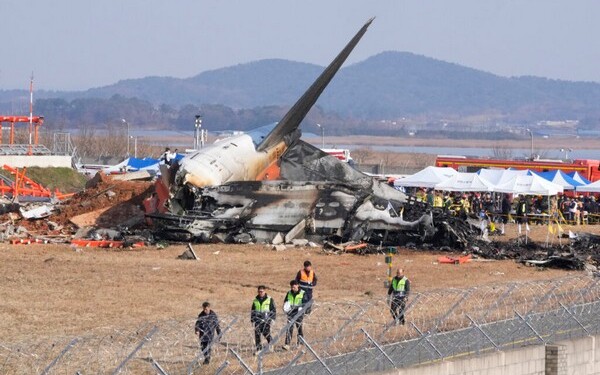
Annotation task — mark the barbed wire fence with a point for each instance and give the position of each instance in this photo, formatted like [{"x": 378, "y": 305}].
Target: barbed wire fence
[{"x": 341, "y": 337}]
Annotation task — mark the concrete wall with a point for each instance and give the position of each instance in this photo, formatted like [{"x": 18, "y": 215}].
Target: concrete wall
[
  {"x": 20, "y": 161},
  {"x": 572, "y": 357}
]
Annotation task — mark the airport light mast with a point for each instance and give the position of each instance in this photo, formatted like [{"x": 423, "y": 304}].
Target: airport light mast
[
  {"x": 531, "y": 134},
  {"x": 126, "y": 123},
  {"x": 198, "y": 133},
  {"x": 322, "y": 135}
]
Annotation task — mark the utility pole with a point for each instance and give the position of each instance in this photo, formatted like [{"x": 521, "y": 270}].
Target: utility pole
[
  {"x": 126, "y": 123},
  {"x": 531, "y": 134},
  {"x": 134, "y": 146},
  {"x": 322, "y": 135}
]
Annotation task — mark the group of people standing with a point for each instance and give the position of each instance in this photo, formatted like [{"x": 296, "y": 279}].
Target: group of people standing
[{"x": 263, "y": 311}]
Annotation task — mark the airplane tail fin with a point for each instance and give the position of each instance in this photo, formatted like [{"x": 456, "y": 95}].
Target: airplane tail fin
[{"x": 296, "y": 114}]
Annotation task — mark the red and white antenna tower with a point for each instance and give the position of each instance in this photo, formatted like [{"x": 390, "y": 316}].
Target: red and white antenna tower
[{"x": 30, "y": 111}]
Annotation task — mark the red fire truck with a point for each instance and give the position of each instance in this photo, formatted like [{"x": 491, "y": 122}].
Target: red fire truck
[
  {"x": 342, "y": 154},
  {"x": 589, "y": 169}
]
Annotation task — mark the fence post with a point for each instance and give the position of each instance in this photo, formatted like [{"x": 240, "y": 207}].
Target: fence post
[
  {"x": 315, "y": 354},
  {"x": 138, "y": 347},
  {"x": 530, "y": 326},
  {"x": 222, "y": 367},
  {"x": 574, "y": 318},
  {"x": 158, "y": 368},
  {"x": 62, "y": 353},
  {"x": 244, "y": 365},
  {"x": 426, "y": 337},
  {"x": 482, "y": 332},
  {"x": 293, "y": 362},
  {"x": 378, "y": 347},
  {"x": 407, "y": 352}
]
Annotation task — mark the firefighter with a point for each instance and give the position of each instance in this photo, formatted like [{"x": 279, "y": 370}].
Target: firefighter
[
  {"x": 398, "y": 296},
  {"x": 447, "y": 201},
  {"x": 293, "y": 306},
  {"x": 438, "y": 202},
  {"x": 263, "y": 312}
]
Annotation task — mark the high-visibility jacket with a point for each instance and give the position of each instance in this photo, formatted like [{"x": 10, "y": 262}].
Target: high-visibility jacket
[
  {"x": 399, "y": 286},
  {"x": 306, "y": 277},
  {"x": 263, "y": 307},
  {"x": 437, "y": 201},
  {"x": 447, "y": 203},
  {"x": 295, "y": 301}
]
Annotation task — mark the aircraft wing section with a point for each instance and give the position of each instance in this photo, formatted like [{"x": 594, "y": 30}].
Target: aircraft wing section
[{"x": 296, "y": 114}]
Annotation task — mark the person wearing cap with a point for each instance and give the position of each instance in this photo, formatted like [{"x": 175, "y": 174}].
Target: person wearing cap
[
  {"x": 307, "y": 279},
  {"x": 206, "y": 325},
  {"x": 398, "y": 295},
  {"x": 262, "y": 313},
  {"x": 293, "y": 306}
]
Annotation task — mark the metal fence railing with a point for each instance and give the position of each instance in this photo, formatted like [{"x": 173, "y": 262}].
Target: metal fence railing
[{"x": 341, "y": 337}]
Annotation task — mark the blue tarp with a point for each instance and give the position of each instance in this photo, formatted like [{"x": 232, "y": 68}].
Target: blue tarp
[{"x": 137, "y": 164}]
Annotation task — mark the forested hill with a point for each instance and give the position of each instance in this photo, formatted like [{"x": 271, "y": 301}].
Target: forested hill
[{"x": 386, "y": 86}]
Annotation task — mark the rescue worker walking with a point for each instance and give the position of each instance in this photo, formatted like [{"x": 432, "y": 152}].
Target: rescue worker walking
[
  {"x": 293, "y": 305},
  {"x": 398, "y": 294},
  {"x": 307, "y": 280},
  {"x": 205, "y": 328},
  {"x": 262, "y": 314}
]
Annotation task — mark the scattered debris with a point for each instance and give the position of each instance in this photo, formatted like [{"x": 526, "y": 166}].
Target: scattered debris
[
  {"x": 36, "y": 213},
  {"x": 454, "y": 260},
  {"x": 106, "y": 243},
  {"x": 188, "y": 253}
]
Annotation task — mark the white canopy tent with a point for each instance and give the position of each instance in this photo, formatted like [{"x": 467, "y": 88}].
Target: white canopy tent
[
  {"x": 465, "y": 182},
  {"x": 500, "y": 176},
  {"x": 529, "y": 185},
  {"x": 428, "y": 177},
  {"x": 594, "y": 187},
  {"x": 577, "y": 177},
  {"x": 561, "y": 178}
]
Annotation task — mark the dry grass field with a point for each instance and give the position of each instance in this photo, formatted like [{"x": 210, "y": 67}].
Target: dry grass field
[{"x": 48, "y": 290}]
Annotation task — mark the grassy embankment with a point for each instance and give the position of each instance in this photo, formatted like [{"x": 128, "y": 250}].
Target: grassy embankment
[{"x": 67, "y": 180}]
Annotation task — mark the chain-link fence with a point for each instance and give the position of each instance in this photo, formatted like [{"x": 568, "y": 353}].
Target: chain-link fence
[{"x": 339, "y": 337}]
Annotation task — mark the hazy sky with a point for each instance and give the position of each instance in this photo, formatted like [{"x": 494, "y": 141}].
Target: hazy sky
[{"x": 79, "y": 44}]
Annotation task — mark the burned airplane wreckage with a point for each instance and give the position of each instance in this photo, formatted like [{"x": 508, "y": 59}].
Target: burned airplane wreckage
[
  {"x": 316, "y": 197},
  {"x": 267, "y": 183}
]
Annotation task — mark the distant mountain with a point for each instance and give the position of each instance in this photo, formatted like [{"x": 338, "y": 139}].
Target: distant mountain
[{"x": 387, "y": 85}]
